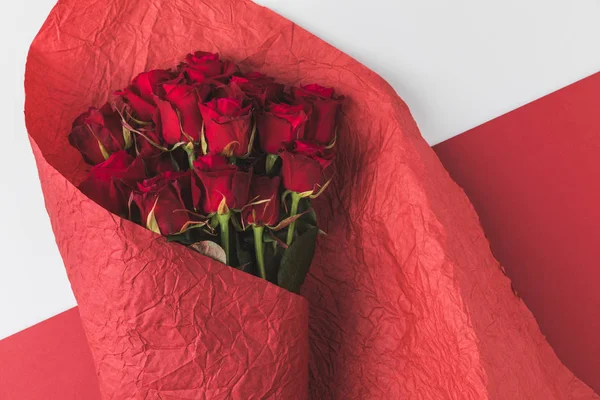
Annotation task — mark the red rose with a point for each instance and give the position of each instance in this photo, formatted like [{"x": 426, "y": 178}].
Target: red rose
[
  {"x": 185, "y": 98},
  {"x": 303, "y": 166},
  {"x": 167, "y": 122},
  {"x": 261, "y": 88},
  {"x": 161, "y": 204},
  {"x": 97, "y": 134},
  {"x": 210, "y": 162},
  {"x": 148, "y": 84},
  {"x": 323, "y": 109},
  {"x": 280, "y": 123},
  {"x": 308, "y": 148},
  {"x": 316, "y": 90},
  {"x": 220, "y": 181},
  {"x": 140, "y": 94},
  {"x": 263, "y": 188},
  {"x": 230, "y": 90},
  {"x": 201, "y": 65},
  {"x": 110, "y": 183},
  {"x": 227, "y": 126}
]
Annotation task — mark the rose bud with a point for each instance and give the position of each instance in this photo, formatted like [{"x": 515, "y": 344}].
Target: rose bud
[
  {"x": 303, "y": 166},
  {"x": 185, "y": 99},
  {"x": 261, "y": 88},
  {"x": 97, "y": 134},
  {"x": 110, "y": 183},
  {"x": 227, "y": 126},
  {"x": 142, "y": 91},
  {"x": 220, "y": 180},
  {"x": 263, "y": 214},
  {"x": 167, "y": 122},
  {"x": 161, "y": 203},
  {"x": 279, "y": 124},
  {"x": 201, "y": 65},
  {"x": 323, "y": 109}
]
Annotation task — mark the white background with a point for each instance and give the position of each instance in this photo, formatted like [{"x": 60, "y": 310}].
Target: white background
[{"x": 456, "y": 63}]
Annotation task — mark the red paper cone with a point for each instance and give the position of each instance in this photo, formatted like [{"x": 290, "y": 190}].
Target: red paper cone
[
  {"x": 164, "y": 322},
  {"x": 406, "y": 299}
]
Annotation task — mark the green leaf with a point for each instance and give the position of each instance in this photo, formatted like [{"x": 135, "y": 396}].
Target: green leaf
[
  {"x": 244, "y": 258},
  {"x": 237, "y": 225},
  {"x": 308, "y": 213},
  {"x": 271, "y": 161},
  {"x": 296, "y": 261},
  {"x": 186, "y": 238},
  {"x": 293, "y": 211},
  {"x": 273, "y": 254},
  {"x": 308, "y": 219}
]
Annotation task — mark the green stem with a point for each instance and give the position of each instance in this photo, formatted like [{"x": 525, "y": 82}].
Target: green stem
[
  {"x": 224, "y": 224},
  {"x": 293, "y": 211},
  {"x": 271, "y": 160},
  {"x": 260, "y": 253}
]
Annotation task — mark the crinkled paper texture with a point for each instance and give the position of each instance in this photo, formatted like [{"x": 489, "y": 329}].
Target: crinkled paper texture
[{"x": 406, "y": 299}]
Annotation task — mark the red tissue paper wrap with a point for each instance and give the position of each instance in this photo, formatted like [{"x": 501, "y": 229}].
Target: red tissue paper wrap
[{"x": 404, "y": 299}]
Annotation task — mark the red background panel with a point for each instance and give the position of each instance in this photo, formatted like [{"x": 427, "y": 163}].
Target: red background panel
[
  {"x": 533, "y": 176},
  {"x": 49, "y": 361}
]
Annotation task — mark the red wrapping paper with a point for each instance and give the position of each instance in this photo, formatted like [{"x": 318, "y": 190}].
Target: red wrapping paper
[
  {"x": 164, "y": 322},
  {"x": 406, "y": 300}
]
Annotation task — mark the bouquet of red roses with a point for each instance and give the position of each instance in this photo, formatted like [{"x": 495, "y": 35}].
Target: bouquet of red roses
[
  {"x": 406, "y": 300},
  {"x": 223, "y": 162}
]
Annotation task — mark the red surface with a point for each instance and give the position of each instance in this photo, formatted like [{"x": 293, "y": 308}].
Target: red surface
[
  {"x": 533, "y": 176},
  {"x": 406, "y": 300},
  {"x": 49, "y": 361}
]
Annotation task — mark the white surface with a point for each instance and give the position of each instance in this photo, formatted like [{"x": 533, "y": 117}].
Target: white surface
[
  {"x": 456, "y": 63},
  {"x": 33, "y": 282},
  {"x": 460, "y": 63}
]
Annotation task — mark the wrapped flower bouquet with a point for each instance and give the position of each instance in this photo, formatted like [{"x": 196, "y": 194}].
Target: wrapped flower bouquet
[{"x": 184, "y": 204}]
